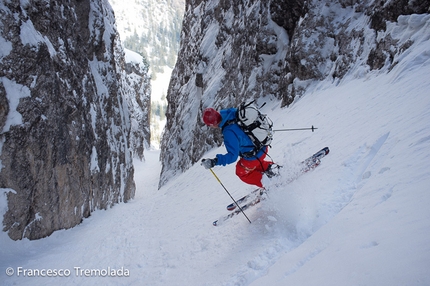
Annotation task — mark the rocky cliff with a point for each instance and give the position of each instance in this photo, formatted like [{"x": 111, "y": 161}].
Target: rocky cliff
[
  {"x": 232, "y": 50},
  {"x": 137, "y": 90},
  {"x": 66, "y": 129}
]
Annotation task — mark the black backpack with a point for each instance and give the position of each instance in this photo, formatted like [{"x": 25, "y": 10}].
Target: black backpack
[{"x": 256, "y": 125}]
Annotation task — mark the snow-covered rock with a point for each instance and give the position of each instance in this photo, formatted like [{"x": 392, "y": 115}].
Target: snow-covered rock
[
  {"x": 65, "y": 119},
  {"x": 139, "y": 101}
]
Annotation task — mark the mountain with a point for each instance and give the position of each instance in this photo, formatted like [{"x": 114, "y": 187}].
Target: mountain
[
  {"x": 73, "y": 114},
  {"x": 151, "y": 28},
  {"x": 232, "y": 51}
]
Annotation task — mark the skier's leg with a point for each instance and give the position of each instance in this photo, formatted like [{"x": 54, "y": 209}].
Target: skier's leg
[{"x": 250, "y": 172}]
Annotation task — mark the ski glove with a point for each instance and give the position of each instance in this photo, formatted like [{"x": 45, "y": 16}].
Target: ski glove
[{"x": 209, "y": 163}]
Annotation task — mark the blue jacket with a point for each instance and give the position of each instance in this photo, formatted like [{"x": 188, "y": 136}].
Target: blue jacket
[{"x": 235, "y": 140}]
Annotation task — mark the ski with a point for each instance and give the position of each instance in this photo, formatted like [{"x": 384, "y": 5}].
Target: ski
[
  {"x": 313, "y": 161},
  {"x": 257, "y": 195},
  {"x": 255, "y": 201},
  {"x": 253, "y": 194},
  {"x": 307, "y": 165}
]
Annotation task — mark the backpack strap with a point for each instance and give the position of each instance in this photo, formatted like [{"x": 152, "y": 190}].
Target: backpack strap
[{"x": 248, "y": 154}]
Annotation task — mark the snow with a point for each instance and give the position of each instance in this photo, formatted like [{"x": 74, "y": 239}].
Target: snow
[
  {"x": 208, "y": 42},
  {"x": 361, "y": 218},
  {"x": 5, "y": 48},
  {"x": 14, "y": 92},
  {"x": 160, "y": 85},
  {"x": 30, "y": 36},
  {"x": 132, "y": 57},
  {"x": 94, "y": 160}
]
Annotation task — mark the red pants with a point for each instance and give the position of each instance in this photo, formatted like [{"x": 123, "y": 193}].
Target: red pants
[{"x": 251, "y": 171}]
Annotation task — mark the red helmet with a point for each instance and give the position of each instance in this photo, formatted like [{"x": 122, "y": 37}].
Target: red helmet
[{"x": 211, "y": 117}]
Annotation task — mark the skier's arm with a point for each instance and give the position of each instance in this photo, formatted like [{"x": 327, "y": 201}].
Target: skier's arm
[{"x": 232, "y": 145}]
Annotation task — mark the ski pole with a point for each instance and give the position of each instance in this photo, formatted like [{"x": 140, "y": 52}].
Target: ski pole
[
  {"x": 296, "y": 129},
  {"x": 230, "y": 195}
]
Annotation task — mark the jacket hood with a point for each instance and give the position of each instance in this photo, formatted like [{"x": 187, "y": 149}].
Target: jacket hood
[{"x": 227, "y": 115}]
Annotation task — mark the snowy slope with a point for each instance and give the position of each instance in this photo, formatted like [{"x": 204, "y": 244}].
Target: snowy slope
[{"x": 361, "y": 218}]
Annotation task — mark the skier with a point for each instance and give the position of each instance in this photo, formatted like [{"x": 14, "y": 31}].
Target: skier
[{"x": 249, "y": 169}]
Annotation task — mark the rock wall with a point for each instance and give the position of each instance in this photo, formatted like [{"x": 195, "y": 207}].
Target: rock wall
[
  {"x": 137, "y": 79},
  {"x": 65, "y": 120},
  {"x": 234, "y": 50}
]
